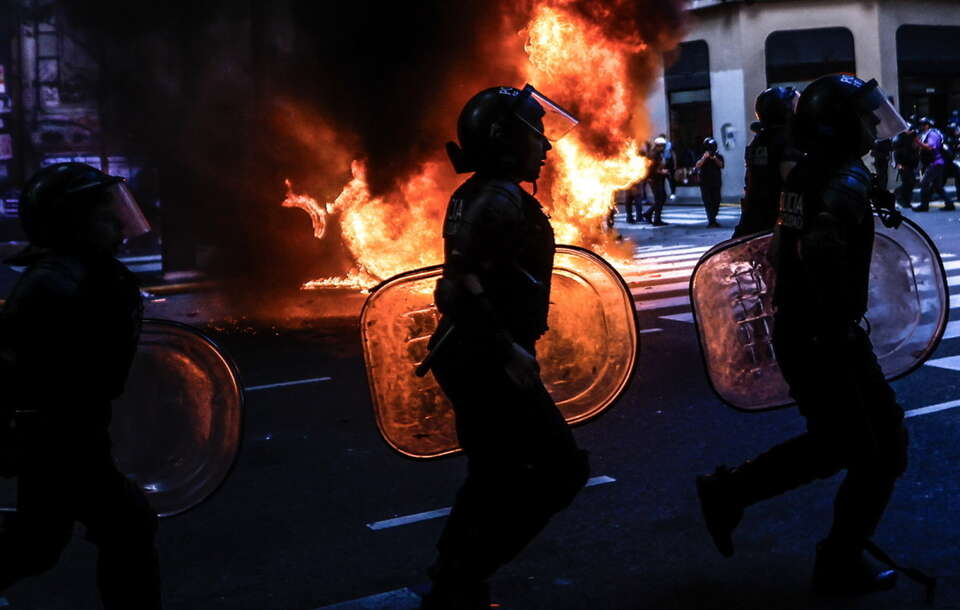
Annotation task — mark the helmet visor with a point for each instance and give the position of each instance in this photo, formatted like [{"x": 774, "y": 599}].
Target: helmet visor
[
  {"x": 888, "y": 121},
  {"x": 553, "y": 123},
  {"x": 891, "y": 123},
  {"x": 128, "y": 211}
]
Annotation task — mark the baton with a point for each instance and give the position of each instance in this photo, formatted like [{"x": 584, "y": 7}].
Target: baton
[{"x": 424, "y": 367}]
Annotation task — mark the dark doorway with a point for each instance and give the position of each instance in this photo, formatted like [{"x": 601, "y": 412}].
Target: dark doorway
[
  {"x": 688, "y": 94},
  {"x": 928, "y": 59}
]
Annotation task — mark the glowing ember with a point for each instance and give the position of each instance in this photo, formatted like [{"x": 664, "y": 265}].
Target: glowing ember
[{"x": 573, "y": 60}]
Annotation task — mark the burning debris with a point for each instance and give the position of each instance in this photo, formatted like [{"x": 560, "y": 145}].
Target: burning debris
[{"x": 591, "y": 56}]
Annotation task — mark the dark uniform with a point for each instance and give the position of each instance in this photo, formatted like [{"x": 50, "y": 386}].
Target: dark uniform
[
  {"x": 71, "y": 326},
  {"x": 952, "y": 172},
  {"x": 711, "y": 181},
  {"x": 758, "y": 211},
  {"x": 657, "y": 179},
  {"x": 766, "y": 158},
  {"x": 907, "y": 158},
  {"x": 821, "y": 251},
  {"x": 524, "y": 464},
  {"x": 494, "y": 296},
  {"x": 823, "y": 245}
]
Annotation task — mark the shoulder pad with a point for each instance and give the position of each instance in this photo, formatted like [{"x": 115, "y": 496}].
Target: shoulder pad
[
  {"x": 846, "y": 192},
  {"x": 497, "y": 200}
]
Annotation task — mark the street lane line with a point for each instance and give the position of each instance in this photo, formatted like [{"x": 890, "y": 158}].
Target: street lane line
[
  {"x": 639, "y": 291},
  {"x": 953, "y": 330},
  {"x": 666, "y": 253},
  {"x": 649, "y": 276},
  {"x": 443, "y": 512},
  {"x": 680, "y": 317},
  {"x": 659, "y": 248},
  {"x": 398, "y": 599},
  {"x": 951, "y": 363},
  {"x": 661, "y": 260},
  {"x": 943, "y": 406},
  {"x": 284, "y": 384},
  {"x": 665, "y": 303}
]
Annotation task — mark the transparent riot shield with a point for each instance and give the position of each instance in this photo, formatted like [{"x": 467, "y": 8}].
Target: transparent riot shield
[
  {"x": 731, "y": 294},
  {"x": 177, "y": 428},
  {"x": 587, "y": 357}
]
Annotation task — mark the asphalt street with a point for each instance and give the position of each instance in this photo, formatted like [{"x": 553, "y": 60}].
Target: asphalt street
[{"x": 319, "y": 512}]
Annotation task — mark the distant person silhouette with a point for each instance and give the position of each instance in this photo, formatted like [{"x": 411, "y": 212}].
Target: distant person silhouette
[{"x": 68, "y": 335}]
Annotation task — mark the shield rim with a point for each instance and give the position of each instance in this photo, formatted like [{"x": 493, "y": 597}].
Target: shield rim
[
  {"x": 235, "y": 373},
  {"x": 730, "y": 243},
  {"x": 628, "y": 380}
]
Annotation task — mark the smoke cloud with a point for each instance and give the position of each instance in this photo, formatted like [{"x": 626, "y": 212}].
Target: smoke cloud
[{"x": 227, "y": 98}]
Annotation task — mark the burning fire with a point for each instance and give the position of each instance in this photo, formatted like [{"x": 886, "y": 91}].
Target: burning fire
[{"x": 573, "y": 60}]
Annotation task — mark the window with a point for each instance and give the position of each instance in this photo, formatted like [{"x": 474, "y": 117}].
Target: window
[
  {"x": 797, "y": 57},
  {"x": 928, "y": 60},
  {"x": 687, "y": 84}
]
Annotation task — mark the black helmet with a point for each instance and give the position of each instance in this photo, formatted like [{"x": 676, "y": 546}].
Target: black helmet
[
  {"x": 495, "y": 111},
  {"x": 924, "y": 120},
  {"x": 775, "y": 105},
  {"x": 51, "y": 193},
  {"x": 710, "y": 144},
  {"x": 58, "y": 195},
  {"x": 840, "y": 115}
]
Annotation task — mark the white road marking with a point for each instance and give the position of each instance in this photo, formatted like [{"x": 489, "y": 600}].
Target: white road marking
[
  {"x": 284, "y": 384},
  {"x": 146, "y": 268},
  {"x": 443, "y": 512},
  {"x": 661, "y": 260},
  {"x": 951, "y": 363},
  {"x": 680, "y": 317},
  {"x": 665, "y": 254},
  {"x": 140, "y": 259},
  {"x": 943, "y": 406},
  {"x": 399, "y": 599},
  {"x": 639, "y": 290},
  {"x": 953, "y": 330},
  {"x": 648, "y": 331},
  {"x": 661, "y": 248},
  {"x": 665, "y": 303}
]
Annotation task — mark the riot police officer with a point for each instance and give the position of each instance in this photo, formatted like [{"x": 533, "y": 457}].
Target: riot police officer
[
  {"x": 711, "y": 182},
  {"x": 769, "y": 158},
  {"x": 823, "y": 242},
  {"x": 68, "y": 334},
  {"x": 951, "y": 143},
  {"x": 523, "y": 462},
  {"x": 907, "y": 158}
]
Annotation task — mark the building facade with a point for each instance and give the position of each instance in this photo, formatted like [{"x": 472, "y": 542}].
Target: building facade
[{"x": 733, "y": 50}]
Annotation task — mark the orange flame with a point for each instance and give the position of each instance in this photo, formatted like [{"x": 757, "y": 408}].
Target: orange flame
[{"x": 576, "y": 63}]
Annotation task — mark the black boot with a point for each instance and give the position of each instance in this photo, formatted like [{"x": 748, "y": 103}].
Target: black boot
[
  {"x": 721, "y": 511},
  {"x": 844, "y": 569}
]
